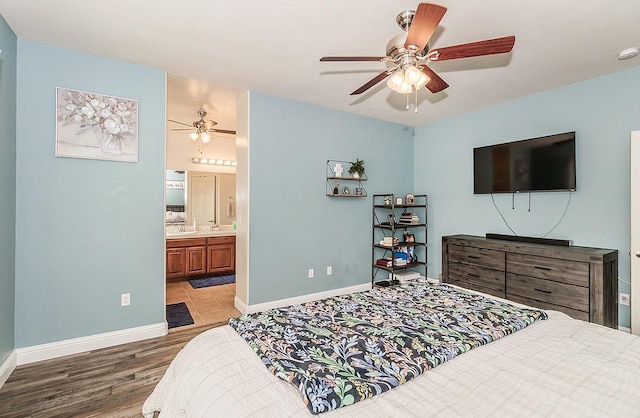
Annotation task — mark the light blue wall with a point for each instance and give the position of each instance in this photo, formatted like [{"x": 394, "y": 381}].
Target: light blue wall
[
  {"x": 294, "y": 226},
  {"x": 602, "y": 111},
  {"x": 87, "y": 230},
  {"x": 8, "y": 45}
]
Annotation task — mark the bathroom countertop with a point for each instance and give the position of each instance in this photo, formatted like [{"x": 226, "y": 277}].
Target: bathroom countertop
[{"x": 222, "y": 232}]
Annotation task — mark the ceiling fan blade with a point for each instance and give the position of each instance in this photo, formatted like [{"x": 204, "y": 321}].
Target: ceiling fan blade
[
  {"x": 424, "y": 23},
  {"x": 475, "y": 49},
  {"x": 222, "y": 131},
  {"x": 181, "y": 123},
  {"x": 435, "y": 83},
  {"x": 181, "y": 129},
  {"x": 326, "y": 59},
  {"x": 375, "y": 80}
]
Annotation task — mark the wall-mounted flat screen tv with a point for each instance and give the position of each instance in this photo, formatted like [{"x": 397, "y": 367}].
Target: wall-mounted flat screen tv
[{"x": 540, "y": 164}]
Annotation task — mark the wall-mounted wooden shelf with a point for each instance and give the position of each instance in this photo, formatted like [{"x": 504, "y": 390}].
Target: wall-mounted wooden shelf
[{"x": 347, "y": 186}]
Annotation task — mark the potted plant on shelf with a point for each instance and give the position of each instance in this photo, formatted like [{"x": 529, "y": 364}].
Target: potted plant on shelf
[{"x": 357, "y": 169}]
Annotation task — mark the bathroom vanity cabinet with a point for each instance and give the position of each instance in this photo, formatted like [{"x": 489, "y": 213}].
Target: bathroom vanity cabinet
[
  {"x": 188, "y": 258},
  {"x": 221, "y": 255}
]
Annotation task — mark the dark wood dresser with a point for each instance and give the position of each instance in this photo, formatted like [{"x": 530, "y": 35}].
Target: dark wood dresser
[{"x": 579, "y": 281}]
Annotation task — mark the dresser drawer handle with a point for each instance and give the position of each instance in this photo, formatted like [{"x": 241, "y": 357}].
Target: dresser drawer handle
[
  {"x": 542, "y": 268},
  {"x": 473, "y": 275},
  {"x": 543, "y": 291},
  {"x": 473, "y": 256}
]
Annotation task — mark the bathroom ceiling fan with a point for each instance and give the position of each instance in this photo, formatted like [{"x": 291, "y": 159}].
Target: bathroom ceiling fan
[
  {"x": 201, "y": 128},
  {"x": 408, "y": 53}
]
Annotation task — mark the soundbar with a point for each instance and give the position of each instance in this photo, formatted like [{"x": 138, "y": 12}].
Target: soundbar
[{"x": 531, "y": 240}]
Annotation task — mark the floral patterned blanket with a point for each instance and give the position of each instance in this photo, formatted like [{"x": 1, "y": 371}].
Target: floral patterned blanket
[{"x": 344, "y": 349}]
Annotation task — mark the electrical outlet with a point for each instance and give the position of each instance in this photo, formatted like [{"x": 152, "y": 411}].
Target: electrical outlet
[
  {"x": 624, "y": 299},
  {"x": 125, "y": 299},
  {"x": 310, "y": 273},
  {"x": 329, "y": 270}
]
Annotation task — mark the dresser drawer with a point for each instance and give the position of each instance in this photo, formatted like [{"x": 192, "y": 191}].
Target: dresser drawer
[
  {"x": 481, "y": 257},
  {"x": 556, "y": 269},
  {"x": 477, "y": 288},
  {"x": 561, "y": 294},
  {"x": 480, "y": 276},
  {"x": 583, "y": 316}
]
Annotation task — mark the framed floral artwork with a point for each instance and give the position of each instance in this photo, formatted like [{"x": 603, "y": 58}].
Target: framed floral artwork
[{"x": 96, "y": 126}]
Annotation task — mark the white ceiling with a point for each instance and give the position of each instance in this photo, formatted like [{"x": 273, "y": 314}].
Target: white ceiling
[{"x": 274, "y": 47}]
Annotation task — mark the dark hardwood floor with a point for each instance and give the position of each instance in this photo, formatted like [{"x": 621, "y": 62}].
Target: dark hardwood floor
[{"x": 110, "y": 382}]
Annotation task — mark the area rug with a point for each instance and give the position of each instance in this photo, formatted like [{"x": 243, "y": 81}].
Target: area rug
[
  {"x": 178, "y": 315},
  {"x": 212, "y": 281}
]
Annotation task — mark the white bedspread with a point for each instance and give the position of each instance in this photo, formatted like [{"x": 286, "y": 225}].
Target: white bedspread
[{"x": 560, "y": 367}]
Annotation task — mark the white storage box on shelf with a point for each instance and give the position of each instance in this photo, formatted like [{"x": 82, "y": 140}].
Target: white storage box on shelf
[{"x": 404, "y": 276}]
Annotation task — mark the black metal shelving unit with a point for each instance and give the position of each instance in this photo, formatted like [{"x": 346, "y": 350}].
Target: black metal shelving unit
[{"x": 406, "y": 238}]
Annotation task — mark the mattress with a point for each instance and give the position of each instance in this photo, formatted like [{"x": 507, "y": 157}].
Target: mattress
[{"x": 558, "y": 367}]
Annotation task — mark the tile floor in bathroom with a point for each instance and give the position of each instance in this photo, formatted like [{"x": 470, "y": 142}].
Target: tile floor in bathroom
[{"x": 207, "y": 305}]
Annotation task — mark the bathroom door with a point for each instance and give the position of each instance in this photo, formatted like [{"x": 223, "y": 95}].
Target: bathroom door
[
  {"x": 202, "y": 199},
  {"x": 635, "y": 232}
]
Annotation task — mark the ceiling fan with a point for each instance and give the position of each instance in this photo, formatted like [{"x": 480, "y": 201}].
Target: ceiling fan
[
  {"x": 201, "y": 128},
  {"x": 408, "y": 53}
]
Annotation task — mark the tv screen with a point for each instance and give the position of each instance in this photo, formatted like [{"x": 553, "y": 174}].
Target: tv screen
[{"x": 546, "y": 163}]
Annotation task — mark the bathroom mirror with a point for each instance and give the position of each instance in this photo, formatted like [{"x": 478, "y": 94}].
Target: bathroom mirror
[{"x": 208, "y": 198}]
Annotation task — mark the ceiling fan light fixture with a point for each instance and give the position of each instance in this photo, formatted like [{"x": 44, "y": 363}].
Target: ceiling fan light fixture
[
  {"x": 201, "y": 129},
  {"x": 406, "y": 52},
  {"x": 402, "y": 81},
  {"x": 396, "y": 80},
  {"x": 422, "y": 81},
  {"x": 412, "y": 74},
  {"x": 405, "y": 88}
]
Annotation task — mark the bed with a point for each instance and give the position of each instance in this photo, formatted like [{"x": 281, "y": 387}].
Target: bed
[{"x": 541, "y": 364}]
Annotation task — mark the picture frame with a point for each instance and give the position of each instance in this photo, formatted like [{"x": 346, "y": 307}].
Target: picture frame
[
  {"x": 359, "y": 191},
  {"x": 410, "y": 199},
  {"x": 96, "y": 126},
  {"x": 399, "y": 200}
]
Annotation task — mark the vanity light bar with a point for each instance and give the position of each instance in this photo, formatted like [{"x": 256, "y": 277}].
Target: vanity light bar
[{"x": 212, "y": 161}]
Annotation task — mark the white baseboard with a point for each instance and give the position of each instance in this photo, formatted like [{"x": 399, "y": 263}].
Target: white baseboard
[
  {"x": 249, "y": 309},
  {"x": 240, "y": 305},
  {"x": 56, "y": 349},
  {"x": 8, "y": 367}
]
